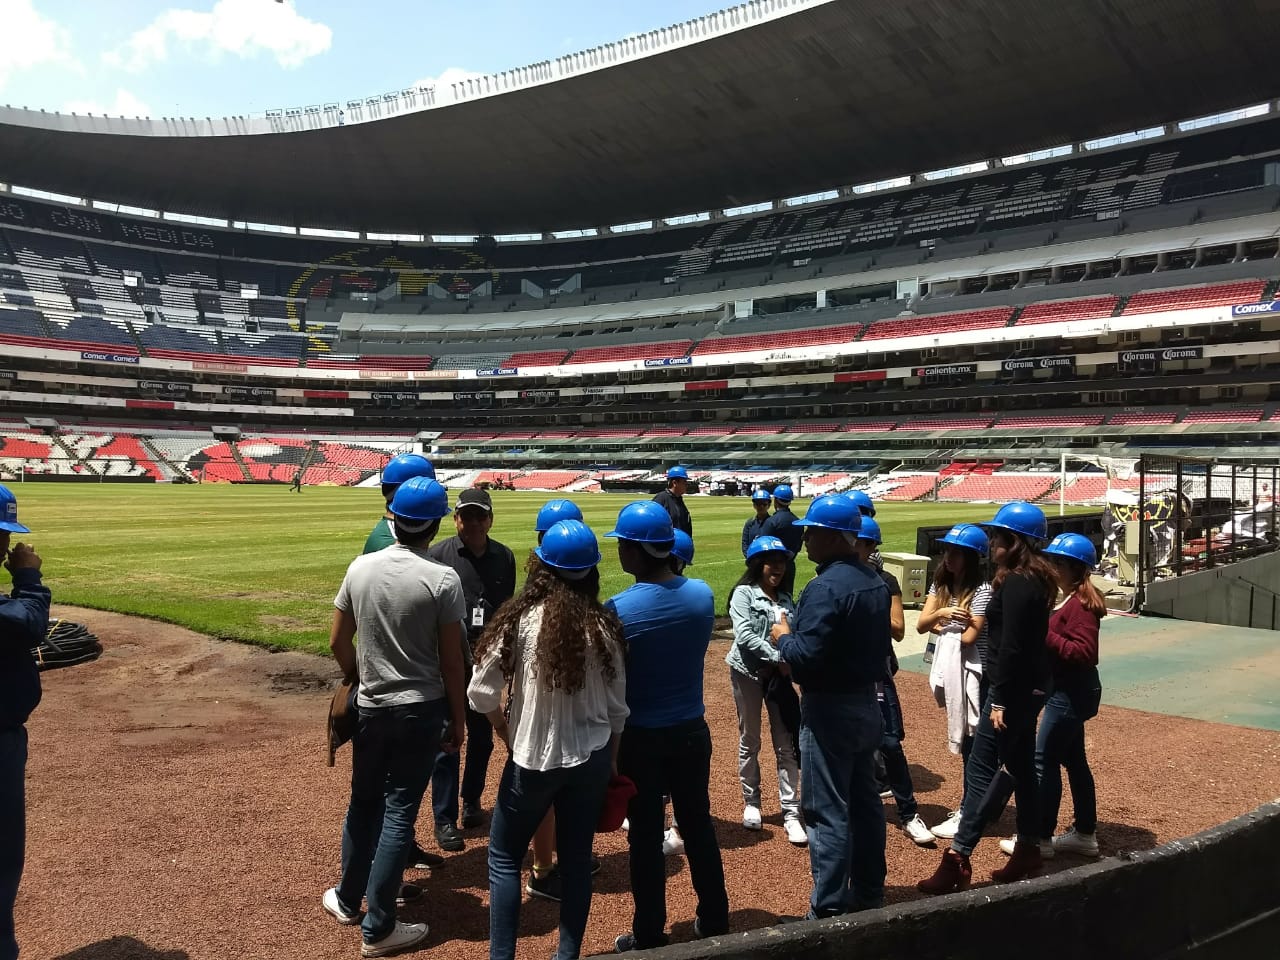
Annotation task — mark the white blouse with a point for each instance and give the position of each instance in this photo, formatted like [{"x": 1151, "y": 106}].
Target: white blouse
[{"x": 551, "y": 729}]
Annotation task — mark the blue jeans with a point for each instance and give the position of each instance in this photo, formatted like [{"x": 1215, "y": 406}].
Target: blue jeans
[
  {"x": 13, "y": 830},
  {"x": 1013, "y": 748},
  {"x": 1060, "y": 743},
  {"x": 445, "y": 780},
  {"x": 672, "y": 760},
  {"x": 392, "y": 754},
  {"x": 524, "y": 797},
  {"x": 843, "y": 813},
  {"x": 896, "y": 770}
]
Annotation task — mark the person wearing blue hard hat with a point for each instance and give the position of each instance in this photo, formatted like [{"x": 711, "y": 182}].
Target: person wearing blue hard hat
[
  {"x": 559, "y": 653},
  {"x": 1023, "y": 592},
  {"x": 672, "y": 499},
  {"x": 836, "y": 650},
  {"x": 667, "y": 621},
  {"x": 867, "y": 508},
  {"x": 760, "y": 681},
  {"x": 897, "y": 772},
  {"x": 1077, "y": 692},
  {"x": 681, "y": 552},
  {"x": 552, "y": 512},
  {"x": 753, "y": 528},
  {"x": 399, "y": 468},
  {"x": 782, "y": 525},
  {"x": 955, "y": 615},
  {"x": 24, "y": 622},
  {"x": 408, "y": 611}
]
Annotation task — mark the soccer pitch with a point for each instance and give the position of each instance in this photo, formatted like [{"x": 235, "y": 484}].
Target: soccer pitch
[{"x": 260, "y": 564}]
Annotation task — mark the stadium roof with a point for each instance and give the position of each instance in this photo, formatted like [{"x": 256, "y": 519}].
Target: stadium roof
[{"x": 772, "y": 99}]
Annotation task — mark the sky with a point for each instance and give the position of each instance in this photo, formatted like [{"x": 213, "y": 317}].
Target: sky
[{"x": 224, "y": 57}]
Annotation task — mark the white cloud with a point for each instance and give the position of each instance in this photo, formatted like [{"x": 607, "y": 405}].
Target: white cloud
[
  {"x": 124, "y": 105},
  {"x": 447, "y": 76},
  {"x": 30, "y": 40},
  {"x": 241, "y": 27}
]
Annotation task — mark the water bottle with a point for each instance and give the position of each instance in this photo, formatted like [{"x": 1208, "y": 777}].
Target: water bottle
[{"x": 929, "y": 647}]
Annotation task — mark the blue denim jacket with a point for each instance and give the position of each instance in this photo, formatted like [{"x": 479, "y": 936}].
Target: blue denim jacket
[
  {"x": 839, "y": 636},
  {"x": 751, "y": 611}
]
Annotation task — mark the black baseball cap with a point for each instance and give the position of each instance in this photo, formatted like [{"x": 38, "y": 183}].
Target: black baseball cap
[{"x": 474, "y": 497}]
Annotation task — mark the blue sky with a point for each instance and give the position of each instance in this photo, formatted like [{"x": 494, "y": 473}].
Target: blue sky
[{"x": 220, "y": 57}]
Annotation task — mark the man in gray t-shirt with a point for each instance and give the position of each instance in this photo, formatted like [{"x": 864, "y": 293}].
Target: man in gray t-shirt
[{"x": 407, "y": 611}]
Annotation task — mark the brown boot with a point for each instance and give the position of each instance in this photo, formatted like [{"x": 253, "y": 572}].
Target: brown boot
[
  {"x": 953, "y": 874},
  {"x": 1024, "y": 862}
]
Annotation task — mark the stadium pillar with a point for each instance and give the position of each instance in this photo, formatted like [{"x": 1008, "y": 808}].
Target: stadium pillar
[{"x": 1062, "y": 484}]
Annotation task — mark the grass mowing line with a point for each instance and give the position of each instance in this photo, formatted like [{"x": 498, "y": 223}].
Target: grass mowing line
[{"x": 260, "y": 564}]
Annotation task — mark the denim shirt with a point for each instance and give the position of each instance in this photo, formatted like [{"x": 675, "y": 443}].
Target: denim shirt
[
  {"x": 751, "y": 611},
  {"x": 840, "y": 634}
]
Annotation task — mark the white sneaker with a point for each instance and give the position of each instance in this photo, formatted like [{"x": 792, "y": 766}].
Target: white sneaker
[
  {"x": 919, "y": 833},
  {"x": 672, "y": 843},
  {"x": 404, "y": 936},
  {"x": 1046, "y": 848},
  {"x": 1082, "y": 844},
  {"x": 949, "y": 827},
  {"x": 751, "y": 817},
  {"x": 626, "y": 824},
  {"x": 795, "y": 831},
  {"x": 334, "y": 908}
]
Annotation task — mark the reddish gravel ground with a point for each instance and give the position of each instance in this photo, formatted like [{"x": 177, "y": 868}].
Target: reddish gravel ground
[{"x": 180, "y": 809}]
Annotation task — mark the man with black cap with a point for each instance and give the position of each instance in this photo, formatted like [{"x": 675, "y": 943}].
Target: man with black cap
[
  {"x": 24, "y": 621},
  {"x": 488, "y": 572}
]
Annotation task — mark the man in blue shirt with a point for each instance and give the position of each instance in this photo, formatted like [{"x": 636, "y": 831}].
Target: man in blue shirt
[
  {"x": 24, "y": 621},
  {"x": 666, "y": 746},
  {"x": 836, "y": 651},
  {"x": 782, "y": 525}
]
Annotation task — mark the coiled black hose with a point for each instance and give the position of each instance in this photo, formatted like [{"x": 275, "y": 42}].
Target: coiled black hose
[{"x": 66, "y": 645}]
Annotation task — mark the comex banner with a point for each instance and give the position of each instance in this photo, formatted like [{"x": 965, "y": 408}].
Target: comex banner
[{"x": 1252, "y": 309}]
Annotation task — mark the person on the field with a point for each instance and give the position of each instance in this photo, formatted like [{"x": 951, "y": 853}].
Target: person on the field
[
  {"x": 672, "y": 499},
  {"x": 24, "y": 622},
  {"x": 836, "y": 651},
  {"x": 297, "y": 482},
  {"x": 666, "y": 747},
  {"x": 756, "y": 603},
  {"x": 560, "y": 654},
  {"x": 755, "y": 526},
  {"x": 398, "y": 469},
  {"x": 408, "y": 611},
  {"x": 1024, "y": 590},
  {"x": 782, "y": 526}
]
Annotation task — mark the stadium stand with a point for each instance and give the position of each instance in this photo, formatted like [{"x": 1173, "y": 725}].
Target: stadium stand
[
  {"x": 920, "y": 326},
  {"x": 997, "y": 488},
  {"x": 1186, "y": 298}
]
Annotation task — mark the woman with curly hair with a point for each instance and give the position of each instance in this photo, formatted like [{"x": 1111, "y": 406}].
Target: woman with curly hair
[{"x": 559, "y": 654}]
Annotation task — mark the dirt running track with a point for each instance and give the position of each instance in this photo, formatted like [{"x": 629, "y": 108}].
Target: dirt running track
[{"x": 180, "y": 809}]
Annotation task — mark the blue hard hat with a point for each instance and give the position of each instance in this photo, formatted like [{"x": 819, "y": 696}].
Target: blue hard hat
[
  {"x": 9, "y": 512},
  {"x": 403, "y": 466},
  {"x": 1021, "y": 517},
  {"x": 569, "y": 545},
  {"x": 766, "y": 545},
  {"x": 760, "y": 493},
  {"x": 644, "y": 522},
  {"x": 967, "y": 535},
  {"x": 862, "y": 502},
  {"x": 553, "y": 511},
  {"x": 782, "y": 492},
  {"x": 833, "y": 513},
  {"x": 677, "y": 473},
  {"x": 683, "y": 547},
  {"x": 869, "y": 530},
  {"x": 1075, "y": 546},
  {"x": 420, "y": 498}
]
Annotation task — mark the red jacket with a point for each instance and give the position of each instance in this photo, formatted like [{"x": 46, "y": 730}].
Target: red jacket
[{"x": 1073, "y": 643}]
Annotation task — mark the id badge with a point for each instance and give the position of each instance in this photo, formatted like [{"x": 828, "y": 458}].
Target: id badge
[{"x": 477, "y": 616}]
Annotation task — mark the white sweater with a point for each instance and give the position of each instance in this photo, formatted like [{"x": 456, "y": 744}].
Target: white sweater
[{"x": 551, "y": 729}]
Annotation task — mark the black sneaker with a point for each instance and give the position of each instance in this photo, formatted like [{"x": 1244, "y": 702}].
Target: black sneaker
[
  {"x": 626, "y": 942},
  {"x": 420, "y": 859},
  {"x": 408, "y": 894},
  {"x": 547, "y": 886},
  {"x": 448, "y": 837},
  {"x": 472, "y": 816}
]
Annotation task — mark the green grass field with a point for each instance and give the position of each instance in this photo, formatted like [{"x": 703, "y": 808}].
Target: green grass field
[{"x": 260, "y": 564}]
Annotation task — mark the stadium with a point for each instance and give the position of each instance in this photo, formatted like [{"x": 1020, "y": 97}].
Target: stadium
[{"x": 952, "y": 255}]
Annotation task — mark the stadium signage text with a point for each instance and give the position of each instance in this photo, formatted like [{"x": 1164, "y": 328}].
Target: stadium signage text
[
  {"x": 108, "y": 357},
  {"x": 1169, "y": 353},
  {"x": 250, "y": 393},
  {"x": 1249, "y": 309},
  {"x": 600, "y": 391},
  {"x": 946, "y": 370},
  {"x": 384, "y": 375},
  {"x": 539, "y": 394},
  {"x": 860, "y": 376},
  {"x": 1038, "y": 363},
  {"x": 8, "y": 374},
  {"x": 669, "y": 362},
  {"x": 394, "y": 395},
  {"x": 497, "y": 372},
  {"x": 215, "y": 367},
  {"x": 165, "y": 386},
  {"x": 483, "y": 396}
]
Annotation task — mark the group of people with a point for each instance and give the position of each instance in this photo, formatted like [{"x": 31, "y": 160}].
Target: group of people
[{"x": 599, "y": 698}]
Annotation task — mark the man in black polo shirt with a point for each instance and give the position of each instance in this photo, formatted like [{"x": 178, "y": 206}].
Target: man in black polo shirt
[{"x": 488, "y": 573}]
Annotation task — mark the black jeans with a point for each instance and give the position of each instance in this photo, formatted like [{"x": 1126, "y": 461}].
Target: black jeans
[
  {"x": 445, "y": 781},
  {"x": 1013, "y": 748},
  {"x": 897, "y": 773},
  {"x": 677, "y": 761},
  {"x": 13, "y": 830},
  {"x": 1060, "y": 743}
]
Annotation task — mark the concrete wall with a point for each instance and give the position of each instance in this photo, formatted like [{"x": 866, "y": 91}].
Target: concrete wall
[
  {"x": 1242, "y": 594},
  {"x": 1209, "y": 896}
]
